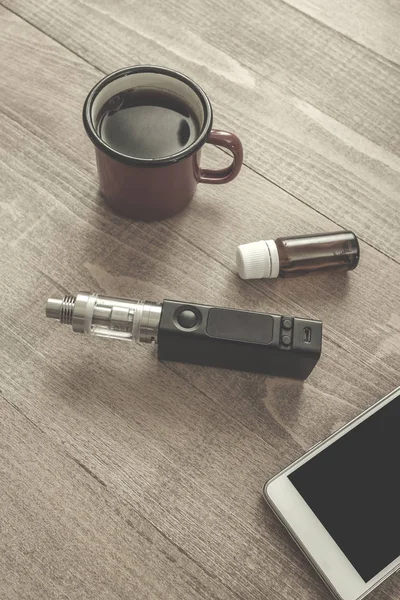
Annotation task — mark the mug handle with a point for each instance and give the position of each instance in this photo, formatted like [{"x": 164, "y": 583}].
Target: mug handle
[{"x": 232, "y": 143}]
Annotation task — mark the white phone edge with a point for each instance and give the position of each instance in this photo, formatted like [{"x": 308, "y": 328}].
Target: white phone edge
[{"x": 314, "y": 541}]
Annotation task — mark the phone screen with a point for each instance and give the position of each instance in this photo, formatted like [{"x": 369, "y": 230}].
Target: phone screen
[{"x": 353, "y": 487}]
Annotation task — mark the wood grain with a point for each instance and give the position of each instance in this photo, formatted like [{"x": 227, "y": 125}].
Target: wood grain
[
  {"x": 121, "y": 476},
  {"x": 318, "y": 115},
  {"x": 372, "y": 23},
  {"x": 64, "y": 535}
]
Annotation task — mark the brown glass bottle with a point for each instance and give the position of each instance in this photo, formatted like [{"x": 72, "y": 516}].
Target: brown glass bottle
[{"x": 299, "y": 255}]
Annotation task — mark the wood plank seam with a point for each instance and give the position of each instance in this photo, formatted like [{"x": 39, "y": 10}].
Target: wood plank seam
[
  {"x": 10, "y": 10},
  {"x": 306, "y": 166},
  {"x": 272, "y": 294},
  {"x": 121, "y": 501},
  {"x": 178, "y": 447},
  {"x": 125, "y": 501},
  {"x": 254, "y": 285},
  {"x": 384, "y": 59},
  {"x": 245, "y": 164}
]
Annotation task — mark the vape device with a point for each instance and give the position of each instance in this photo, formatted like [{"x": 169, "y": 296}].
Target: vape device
[{"x": 199, "y": 334}]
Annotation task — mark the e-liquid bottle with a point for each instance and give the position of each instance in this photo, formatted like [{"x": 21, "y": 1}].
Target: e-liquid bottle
[{"x": 299, "y": 255}]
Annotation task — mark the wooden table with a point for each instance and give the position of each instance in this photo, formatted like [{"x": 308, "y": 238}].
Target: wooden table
[{"x": 123, "y": 477}]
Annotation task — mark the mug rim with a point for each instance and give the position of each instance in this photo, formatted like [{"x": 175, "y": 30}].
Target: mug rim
[{"x": 133, "y": 160}]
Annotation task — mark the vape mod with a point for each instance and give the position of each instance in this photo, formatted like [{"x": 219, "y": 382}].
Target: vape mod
[{"x": 199, "y": 334}]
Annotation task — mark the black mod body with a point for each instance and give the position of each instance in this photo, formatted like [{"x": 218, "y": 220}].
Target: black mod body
[{"x": 238, "y": 339}]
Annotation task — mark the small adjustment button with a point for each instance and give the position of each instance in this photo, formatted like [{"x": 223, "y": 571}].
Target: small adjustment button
[
  {"x": 287, "y": 323},
  {"x": 187, "y": 319},
  {"x": 286, "y": 340}
]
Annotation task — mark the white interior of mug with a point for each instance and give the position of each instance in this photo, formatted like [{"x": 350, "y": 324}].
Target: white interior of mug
[{"x": 152, "y": 80}]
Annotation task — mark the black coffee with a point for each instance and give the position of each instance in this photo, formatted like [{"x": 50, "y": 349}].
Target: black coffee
[{"x": 147, "y": 123}]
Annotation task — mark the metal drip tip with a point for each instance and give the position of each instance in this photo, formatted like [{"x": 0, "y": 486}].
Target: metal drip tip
[{"x": 61, "y": 309}]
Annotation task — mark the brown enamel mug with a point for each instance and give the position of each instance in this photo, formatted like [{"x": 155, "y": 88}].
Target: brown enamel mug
[{"x": 151, "y": 188}]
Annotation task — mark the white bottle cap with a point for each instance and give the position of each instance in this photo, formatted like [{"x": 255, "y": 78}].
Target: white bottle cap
[{"x": 257, "y": 260}]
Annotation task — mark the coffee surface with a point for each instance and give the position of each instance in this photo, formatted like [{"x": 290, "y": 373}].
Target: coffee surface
[{"x": 147, "y": 123}]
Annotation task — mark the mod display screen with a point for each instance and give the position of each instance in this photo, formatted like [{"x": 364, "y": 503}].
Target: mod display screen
[{"x": 353, "y": 487}]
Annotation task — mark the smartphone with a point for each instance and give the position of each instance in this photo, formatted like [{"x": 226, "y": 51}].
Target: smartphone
[{"x": 341, "y": 501}]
